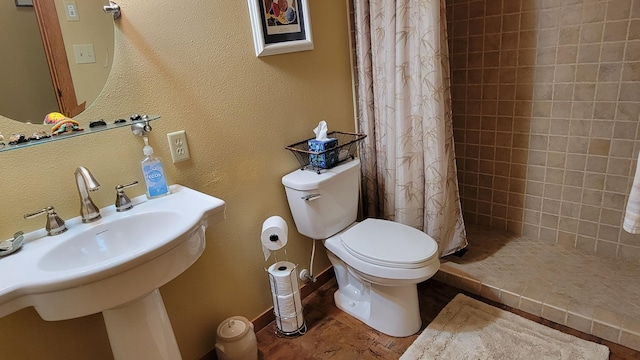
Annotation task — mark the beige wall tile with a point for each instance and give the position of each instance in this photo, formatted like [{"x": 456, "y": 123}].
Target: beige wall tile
[
  {"x": 571, "y": 15},
  {"x": 628, "y": 111},
  {"x": 618, "y": 166},
  {"x": 602, "y": 129},
  {"x": 613, "y": 51},
  {"x": 597, "y": 164},
  {"x": 599, "y": 146},
  {"x": 576, "y": 161},
  {"x": 594, "y": 182},
  {"x": 607, "y": 91},
  {"x": 569, "y": 35},
  {"x": 609, "y": 72},
  {"x": 584, "y": 92},
  {"x": 615, "y": 31},
  {"x": 586, "y": 73},
  {"x": 592, "y": 197},
  {"x": 512, "y": 6},
  {"x": 559, "y": 126},
  {"x": 590, "y": 213},
  {"x": 634, "y": 30},
  {"x": 618, "y": 9},
  {"x": 625, "y": 130},
  {"x": 528, "y": 39},
  {"x": 604, "y": 110},
  {"x": 591, "y": 33},
  {"x": 622, "y": 148},
  {"x": 629, "y": 91},
  {"x": 615, "y": 183},
  {"x": 593, "y": 12},
  {"x": 589, "y": 53},
  {"x": 631, "y": 71},
  {"x": 565, "y": 73},
  {"x": 582, "y": 109}
]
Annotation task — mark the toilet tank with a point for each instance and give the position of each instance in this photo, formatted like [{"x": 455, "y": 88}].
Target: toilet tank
[{"x": 326, "y": 203}]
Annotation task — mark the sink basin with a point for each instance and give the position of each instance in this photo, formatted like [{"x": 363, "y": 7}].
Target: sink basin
[
  {"x": 114, "y": 266},
  {"x": 111, "y": 240}
]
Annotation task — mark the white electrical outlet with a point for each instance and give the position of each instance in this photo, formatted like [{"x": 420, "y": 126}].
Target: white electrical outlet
[{"x": 178, "y": 146}]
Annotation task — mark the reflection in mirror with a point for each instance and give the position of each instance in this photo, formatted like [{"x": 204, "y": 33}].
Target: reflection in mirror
[{"x": 64, "y": 75}]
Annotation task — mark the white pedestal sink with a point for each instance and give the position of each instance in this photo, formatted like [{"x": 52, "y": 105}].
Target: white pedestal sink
[{"x": 115, "y": 266}]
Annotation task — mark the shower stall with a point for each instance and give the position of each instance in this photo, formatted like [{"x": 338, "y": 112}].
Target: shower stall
[{"x": 546, "y": 98}]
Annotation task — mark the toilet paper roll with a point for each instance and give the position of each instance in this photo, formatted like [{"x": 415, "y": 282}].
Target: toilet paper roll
[
  {"x": 287, "y": 303},
  {"x": 274, "y": 235},
  {"x": 283, "y": 278},
  {"x": 287, "y": 306},
  {"x": 289, "y": 325}
]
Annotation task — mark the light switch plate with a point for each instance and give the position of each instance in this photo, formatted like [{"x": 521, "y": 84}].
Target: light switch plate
[
  {"x": 71, "y": 11},
  {"x": 84, "y": 53}
]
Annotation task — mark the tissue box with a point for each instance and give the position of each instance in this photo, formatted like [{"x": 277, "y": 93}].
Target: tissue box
[{"x": 327, "y": 159}]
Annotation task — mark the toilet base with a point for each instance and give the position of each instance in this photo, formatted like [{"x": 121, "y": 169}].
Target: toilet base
[{"x": 392, "y": 310}]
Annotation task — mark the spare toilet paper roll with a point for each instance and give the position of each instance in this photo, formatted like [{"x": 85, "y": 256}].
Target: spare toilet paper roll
[
  {"x": 288, "y": 305},
  {"x": 274, "y": 235},
  {"x": 283, "y": 278},
  {"x": 290, "y": 324}
]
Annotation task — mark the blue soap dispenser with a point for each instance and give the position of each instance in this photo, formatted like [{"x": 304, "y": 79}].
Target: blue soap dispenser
[{"x": 153, "y": 173}]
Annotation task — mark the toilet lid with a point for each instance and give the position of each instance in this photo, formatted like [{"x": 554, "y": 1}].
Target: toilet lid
[{"x": 390, "y": 244}]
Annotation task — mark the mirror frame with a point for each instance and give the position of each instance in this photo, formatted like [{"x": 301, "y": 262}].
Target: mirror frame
[{"x": 49, "y": 25}]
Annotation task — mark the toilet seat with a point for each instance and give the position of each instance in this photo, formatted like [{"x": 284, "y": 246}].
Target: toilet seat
[{"x": 389, "y": 244}]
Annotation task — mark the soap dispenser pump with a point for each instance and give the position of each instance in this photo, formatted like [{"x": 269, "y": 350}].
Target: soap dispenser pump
[{"x": 153, "y": 173}]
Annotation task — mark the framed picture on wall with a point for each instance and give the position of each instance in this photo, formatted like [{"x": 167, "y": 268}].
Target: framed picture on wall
[
  {"x": 280, "y": 26},
  {"x": 24, "y": 2}
]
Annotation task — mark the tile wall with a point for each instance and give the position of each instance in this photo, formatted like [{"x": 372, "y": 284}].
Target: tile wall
[{"x": 546, "y": 98}]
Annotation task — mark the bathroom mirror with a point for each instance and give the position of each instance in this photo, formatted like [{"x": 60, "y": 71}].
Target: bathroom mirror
[{"x": 57, "y": 57}]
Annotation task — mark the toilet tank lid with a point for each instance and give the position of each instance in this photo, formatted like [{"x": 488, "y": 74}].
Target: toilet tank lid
[{"x": 310, "y": 180}]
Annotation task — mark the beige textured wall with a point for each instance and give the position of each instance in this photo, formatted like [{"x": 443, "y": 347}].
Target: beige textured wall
[
  {"x": 546, "y": 101},
  {"x": 26, "y": 92},
  {"x": 193, "y": 63}
]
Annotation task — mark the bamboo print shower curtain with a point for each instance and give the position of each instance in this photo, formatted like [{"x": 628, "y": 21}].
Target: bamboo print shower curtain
[{"x": 404, "y": 106}]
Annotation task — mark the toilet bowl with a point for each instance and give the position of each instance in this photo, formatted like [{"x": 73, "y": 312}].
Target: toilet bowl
[
  {"x": 377, "y": 274},
  {"x": 377, "y": 263}
]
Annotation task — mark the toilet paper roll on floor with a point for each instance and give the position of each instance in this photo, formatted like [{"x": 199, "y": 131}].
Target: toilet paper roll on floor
[{"x": 274, "y": 235}]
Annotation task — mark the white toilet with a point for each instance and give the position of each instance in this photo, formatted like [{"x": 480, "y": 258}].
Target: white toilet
[{"x": 377, "y": 263}]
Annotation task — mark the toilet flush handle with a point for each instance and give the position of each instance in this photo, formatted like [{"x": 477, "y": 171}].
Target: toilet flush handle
[{"x": 311, "y": 197}]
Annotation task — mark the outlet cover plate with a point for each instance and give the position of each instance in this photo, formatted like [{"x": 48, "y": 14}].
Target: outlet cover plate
[{"x": 178, "y": 146}]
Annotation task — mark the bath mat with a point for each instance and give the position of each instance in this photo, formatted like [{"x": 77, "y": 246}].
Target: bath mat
[{"x": 470, "y": 329}]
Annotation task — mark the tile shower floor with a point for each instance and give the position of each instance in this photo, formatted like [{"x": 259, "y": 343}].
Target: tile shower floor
[{"x": 567, "y": 286}]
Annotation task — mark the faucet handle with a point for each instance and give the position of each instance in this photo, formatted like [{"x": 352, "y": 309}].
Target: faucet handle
[
  {"x": 123, "y": 203},
  {"x": 55, "y": 225}
]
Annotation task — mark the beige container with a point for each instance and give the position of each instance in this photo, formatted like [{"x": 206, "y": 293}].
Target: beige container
[{"x": 236, "y": 340}]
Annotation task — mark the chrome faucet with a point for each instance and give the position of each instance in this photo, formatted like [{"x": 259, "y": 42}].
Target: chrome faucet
[{"x": 86, "y": 182}]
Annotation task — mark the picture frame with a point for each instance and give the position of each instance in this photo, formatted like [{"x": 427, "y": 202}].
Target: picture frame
[
  {"x": 280, "y": 26},
  {"x": 24, "y": 2}
]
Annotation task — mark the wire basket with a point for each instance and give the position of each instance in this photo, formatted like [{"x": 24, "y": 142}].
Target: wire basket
[{"x": 346, "y": 149}]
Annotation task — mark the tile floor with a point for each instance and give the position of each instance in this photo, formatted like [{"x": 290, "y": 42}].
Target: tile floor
[
  {"x": 592, "y": 294},
  {"x": 332, "y": 334}
]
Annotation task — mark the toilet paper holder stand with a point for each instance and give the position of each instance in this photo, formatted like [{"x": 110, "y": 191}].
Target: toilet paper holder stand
[{"x": 301, "y": 326}]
